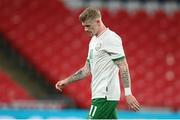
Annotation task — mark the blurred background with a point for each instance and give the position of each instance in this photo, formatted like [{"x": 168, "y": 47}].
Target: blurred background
[{"x": 42, "y": 41}]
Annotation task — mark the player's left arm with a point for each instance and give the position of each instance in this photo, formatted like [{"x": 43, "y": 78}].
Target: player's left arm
[{"x": 126, "y": 80}]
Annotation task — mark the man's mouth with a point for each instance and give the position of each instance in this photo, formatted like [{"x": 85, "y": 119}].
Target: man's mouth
[{"x": 89, "y": 33}]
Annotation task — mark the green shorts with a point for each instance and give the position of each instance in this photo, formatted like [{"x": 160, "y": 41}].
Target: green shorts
[{"x": 101, "y": 108}]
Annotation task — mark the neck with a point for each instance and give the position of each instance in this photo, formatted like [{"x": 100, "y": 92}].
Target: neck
[{"x": 101, "y": 30}]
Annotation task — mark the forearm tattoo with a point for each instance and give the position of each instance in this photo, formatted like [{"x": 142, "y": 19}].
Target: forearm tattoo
[
  {"x": 80, "y": 74},
  {"x": 124, "y": 72},
  {"x": 125, "y": 77}
]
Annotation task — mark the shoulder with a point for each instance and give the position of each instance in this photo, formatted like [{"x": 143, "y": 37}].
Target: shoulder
[
  {"x": 92, "y": 40},
  {"x": 112, "y": 37}
]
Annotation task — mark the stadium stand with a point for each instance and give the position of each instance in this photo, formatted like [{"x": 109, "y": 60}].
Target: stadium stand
[
  {"x": 11, "y": 91},
  {"x": 50, "y": 36}
]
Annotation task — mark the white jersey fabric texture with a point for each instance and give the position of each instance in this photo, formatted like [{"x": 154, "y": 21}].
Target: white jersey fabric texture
[{"x": 105, "y": 73}]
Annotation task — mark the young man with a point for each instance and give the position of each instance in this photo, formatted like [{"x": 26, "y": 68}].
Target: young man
[{"x": 106, "y": 59}]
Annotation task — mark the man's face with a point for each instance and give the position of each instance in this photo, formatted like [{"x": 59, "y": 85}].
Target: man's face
[{"x": 91, "y": 27}]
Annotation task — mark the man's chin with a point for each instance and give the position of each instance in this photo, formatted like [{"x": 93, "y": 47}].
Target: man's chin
[{"x": 90, "y": 34}]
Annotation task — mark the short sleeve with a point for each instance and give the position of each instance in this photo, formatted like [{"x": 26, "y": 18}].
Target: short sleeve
[
  {"x": 90, "y": 50},
  {"x": 88, "y": 56},
  {"x": 113, "y": 46}
]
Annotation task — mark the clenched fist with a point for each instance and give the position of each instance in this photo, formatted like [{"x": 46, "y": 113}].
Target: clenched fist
[{"x": 61, "y": 84}]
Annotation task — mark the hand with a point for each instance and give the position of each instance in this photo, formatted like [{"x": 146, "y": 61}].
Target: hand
[
  {"x": 61, "y": 84},
  {"x": 132, "y": 103}
]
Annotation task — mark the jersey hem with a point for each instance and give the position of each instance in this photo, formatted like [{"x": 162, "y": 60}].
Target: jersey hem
[{"x": 110, "y": 99}]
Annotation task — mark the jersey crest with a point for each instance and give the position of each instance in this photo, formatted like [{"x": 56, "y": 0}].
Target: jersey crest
[{"x": 98, "y": 46}]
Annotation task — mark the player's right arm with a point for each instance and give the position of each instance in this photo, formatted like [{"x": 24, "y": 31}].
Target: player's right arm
[{"x": 80, "y": 74}]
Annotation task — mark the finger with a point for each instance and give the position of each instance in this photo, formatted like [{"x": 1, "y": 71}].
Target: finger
[
  {"x": 137, "y": 104},
  {"x": 135, "y": 107},
  {"x": 132, "y": 108},
  {"x": 60, "y": 89},
  {"x": 134, "y": 104},
  {"x": 57, "y": 84}
]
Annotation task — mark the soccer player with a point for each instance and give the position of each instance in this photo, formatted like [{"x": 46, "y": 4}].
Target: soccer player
[{"x": 106, "y": 59}]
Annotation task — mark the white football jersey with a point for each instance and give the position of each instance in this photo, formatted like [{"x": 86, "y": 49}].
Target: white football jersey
[{"x": 105, "y": 73}]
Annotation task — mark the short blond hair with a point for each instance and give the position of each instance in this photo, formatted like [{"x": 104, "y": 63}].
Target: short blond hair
[{"x": 89, "y": 13}]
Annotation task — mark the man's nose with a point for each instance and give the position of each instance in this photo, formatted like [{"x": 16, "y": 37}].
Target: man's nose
[{"x": 85, "y": 29}]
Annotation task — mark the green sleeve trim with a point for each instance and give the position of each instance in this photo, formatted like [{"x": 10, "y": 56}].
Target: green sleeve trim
[
  {"x": 88, "y": 60},
  {"x": 120, "y": 58},
  {"x": 89, "y": 63}
]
